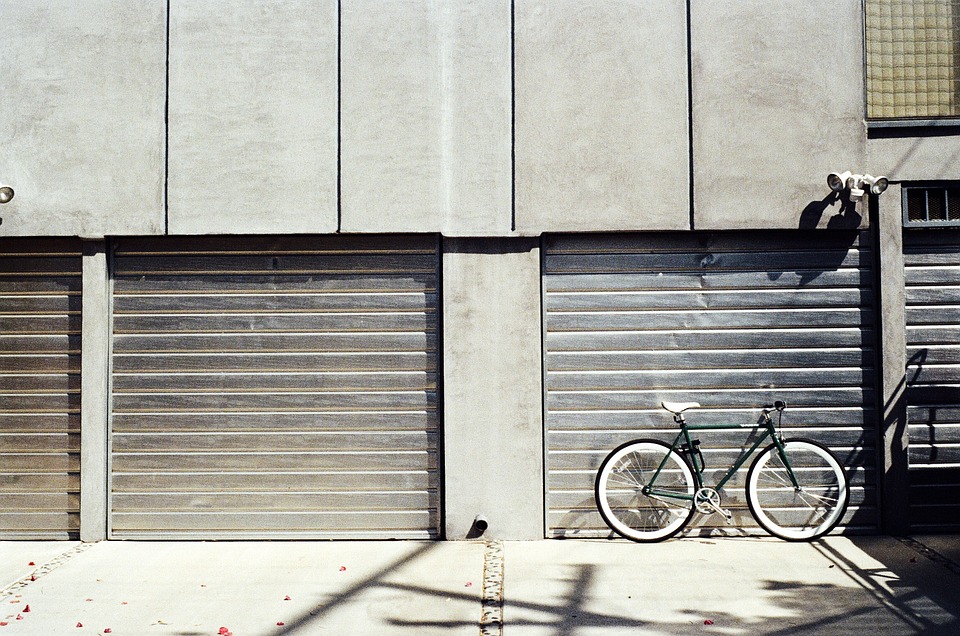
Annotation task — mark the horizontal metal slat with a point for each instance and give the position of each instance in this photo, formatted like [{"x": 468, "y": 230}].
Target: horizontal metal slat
[
  {"x": 299, "y": 441},
  {"x": 600, "y": 300},
  {"x": 270, "y": 482},
  {"x": 851, "y": 279},
  {"x": 271, "y": 362},
  {"x": 653, "y": 417},
  {"x": 693, "y": 339},
  {"x": 706, "y": 379},
  {"x": 273, "y": 402},
  {"x": 272, "y": 323},
  {"x": 655, "y": 360},
  {"x": 275, "y": 302},
  {"x": 306, "y": 522},
  {"x": 298, "y": 501},
  {"x": 317, "y": 422},
  {"x": 195, "y": 382},
  {"x": 291, "y": 462},
  {"x": 824, "y": 397},
  {"x": 292, "y": 342},
  {"x": 572, "y": 320}
]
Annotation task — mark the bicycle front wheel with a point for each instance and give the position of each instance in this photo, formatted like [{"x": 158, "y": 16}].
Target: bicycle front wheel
[
  {"x": 803, "y": 511},
  {"x": 630, "y": 512}
]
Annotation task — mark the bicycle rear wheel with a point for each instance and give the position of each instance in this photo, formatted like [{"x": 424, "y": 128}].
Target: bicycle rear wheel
[
  {"x": 621, "y": 500},
  {"x": 808, "y": 510}
]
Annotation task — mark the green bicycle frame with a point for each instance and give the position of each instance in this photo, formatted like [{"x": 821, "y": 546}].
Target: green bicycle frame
[{"x": 684, "y": 436}]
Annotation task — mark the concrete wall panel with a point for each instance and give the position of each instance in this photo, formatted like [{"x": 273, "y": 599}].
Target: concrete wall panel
[
  {"x": 253, "y": 117},
  {"x": 903, "y": 157},
  {"x": 426, "y": 133},
  {"x": 601, "y": 115},
  {"x": 492, "y": 387},
  {"x": 81, "y": 110},
  {"x": 777, "y": 105}
]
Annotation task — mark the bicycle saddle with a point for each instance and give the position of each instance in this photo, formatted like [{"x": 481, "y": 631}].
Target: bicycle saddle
[{"x": 679, "y": 407}]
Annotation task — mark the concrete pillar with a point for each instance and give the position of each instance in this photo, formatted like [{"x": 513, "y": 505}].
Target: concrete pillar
[
  {"x": 94, "y": 390},
  {"x": 492, "y": 388},
  {"x": 893, "y": 478}
]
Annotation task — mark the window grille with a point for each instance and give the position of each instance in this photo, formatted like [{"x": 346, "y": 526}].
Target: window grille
[
  {"x": 912, "y": 55},
  {"x": 931, "y": 205}
]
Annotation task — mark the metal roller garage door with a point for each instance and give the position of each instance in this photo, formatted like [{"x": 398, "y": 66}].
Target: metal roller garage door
[
  {"x": 275, "y": 388},
  {"x": 732, "y": 321},
  {"x": 932, "y": 264},
  {"x": 40, "y": 287}
]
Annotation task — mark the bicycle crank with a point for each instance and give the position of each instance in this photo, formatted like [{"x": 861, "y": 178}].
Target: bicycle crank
[{"x": 707, "y": 501}]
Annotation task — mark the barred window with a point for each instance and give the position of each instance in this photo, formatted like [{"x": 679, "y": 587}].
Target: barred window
[
  {"x": 913, "y": 53},
  {"x": 931, "y": 204}
]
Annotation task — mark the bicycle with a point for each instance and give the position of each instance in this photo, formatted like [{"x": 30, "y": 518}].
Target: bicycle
[{"x": 647, "y": 490}]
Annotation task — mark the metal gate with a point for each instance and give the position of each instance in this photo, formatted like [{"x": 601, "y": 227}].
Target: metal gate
[
  {"x": 731, "y": 320},
  {"x": 275, "y": 388},
  {"x": 932, "y": 274},
  {"x": 40, "y": 287}
]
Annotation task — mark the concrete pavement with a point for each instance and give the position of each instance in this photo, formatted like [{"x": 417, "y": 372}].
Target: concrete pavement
[{"x": 750, "y": 585}]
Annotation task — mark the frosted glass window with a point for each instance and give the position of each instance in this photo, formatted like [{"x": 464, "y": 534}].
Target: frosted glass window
[{"x": 913, "y": 51}]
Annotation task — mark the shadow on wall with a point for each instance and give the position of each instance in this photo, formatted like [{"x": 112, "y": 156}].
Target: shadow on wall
[{"x": 846, "y": 218}]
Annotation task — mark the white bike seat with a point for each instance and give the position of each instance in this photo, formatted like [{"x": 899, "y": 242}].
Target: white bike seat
[{"x": 679, "y": 407}]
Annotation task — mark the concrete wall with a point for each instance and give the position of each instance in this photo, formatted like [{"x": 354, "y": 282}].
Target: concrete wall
[
  {"x": 601, "y": 115},
  {"x": 467, "y": 118},
  {"x": 777, "y": 105},
  {"x": 426, "y": 116},
  {"x": 253, "y": 117},
  {"x": 82, "y": 90},
  {"x": 915, "y": 154},
  {"x": 492, "y": 387}
]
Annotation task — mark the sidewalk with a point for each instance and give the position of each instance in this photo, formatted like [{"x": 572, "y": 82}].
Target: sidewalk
[{"x": 841, "y": 585}]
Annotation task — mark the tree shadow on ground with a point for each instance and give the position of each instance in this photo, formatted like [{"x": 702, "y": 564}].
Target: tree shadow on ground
[{"x": 886, "y": 588}]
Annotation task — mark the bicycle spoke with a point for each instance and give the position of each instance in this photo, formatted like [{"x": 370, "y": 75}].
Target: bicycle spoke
[{"x": 619, "y": 490}]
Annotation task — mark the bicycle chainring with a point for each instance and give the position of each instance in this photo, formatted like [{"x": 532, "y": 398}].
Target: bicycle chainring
[{"x": 707, "y": 500}]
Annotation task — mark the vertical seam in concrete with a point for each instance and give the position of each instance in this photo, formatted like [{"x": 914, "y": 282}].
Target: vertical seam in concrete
[
  {"x": 544, "y": 451},
  {"x": 440, "y": 419},
  {"x": 166, "y": 130},
  {"x": 513, "y": 116},
  {"x": 110, "y": 248},
  {"x": 339, "y": 115},
  {"x": 690, "y": 114}
]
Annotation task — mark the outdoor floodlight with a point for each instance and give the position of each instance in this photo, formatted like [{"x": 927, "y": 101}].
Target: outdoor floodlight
[
  {"x": 838, "y": 180},
  {"x": 6, "y": 193},
  {"x": 877, "y": 184},
  {"x": 857, "y": 184}
]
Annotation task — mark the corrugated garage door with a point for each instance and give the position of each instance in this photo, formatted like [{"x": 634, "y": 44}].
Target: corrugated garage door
[
  {"x": 275, "y": 388},
  {"x": 932, "y": 262},
  {"x": 40, "y": 286},
  {"x": 732, "y": 321}
]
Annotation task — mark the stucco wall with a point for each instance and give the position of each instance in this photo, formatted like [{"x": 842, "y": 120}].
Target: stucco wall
[
  {"x": 81, "y": 113},
  {"x": 467, "y": 118},
  {"x": 777, "y": 105}
]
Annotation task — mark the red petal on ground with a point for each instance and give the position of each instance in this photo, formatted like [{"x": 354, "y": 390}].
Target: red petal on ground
[
  {"x": 26, "y": 609},
  {"x": 708, "y": 622},
  {"x": 19, "y": 617},
  {"x": 31, "y": 563},
  {"x": 343, "y": 568},
  {"x": 280, "y": 623},
  {"x": 468, "y": 584},
  {"x": 287, "y": 598},
  {"x": 224, "y": 631},
  {"x": 4, "y": 623},
  {"x": 33, "y": 577},
  {"x": 107, "y": 631},
  {"x": 79, "y": 624}
]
